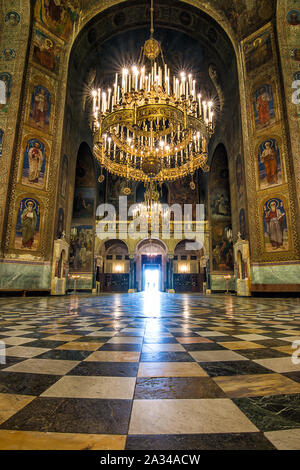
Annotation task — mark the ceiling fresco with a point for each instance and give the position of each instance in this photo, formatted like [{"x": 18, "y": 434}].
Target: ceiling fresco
[{"x": 244, "y": 16}]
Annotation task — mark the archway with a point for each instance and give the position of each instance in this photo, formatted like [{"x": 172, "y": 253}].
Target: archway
[
  {"x": 221, "y": 252},
  {"x": 151, "y": 257},
  {"x": 114, "y": 274},
  {"x": 82, "y": 238},
  {"x": 189, "y": 273}
]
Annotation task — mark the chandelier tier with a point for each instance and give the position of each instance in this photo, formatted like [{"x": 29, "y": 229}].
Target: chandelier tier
[{"x": 150, "y": 126}]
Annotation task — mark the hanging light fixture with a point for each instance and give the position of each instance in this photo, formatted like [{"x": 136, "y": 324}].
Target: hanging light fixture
[{"x": 150, "y": 126}]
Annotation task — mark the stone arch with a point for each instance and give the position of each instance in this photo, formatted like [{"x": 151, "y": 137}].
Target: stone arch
[
  {"x": 288, "y": 40},
  {"x": 220, "y": 215},
  {"x": 149, "y": 251},
  {"x": 16, "y": 37},
  {"x": 154, "y": 242}
]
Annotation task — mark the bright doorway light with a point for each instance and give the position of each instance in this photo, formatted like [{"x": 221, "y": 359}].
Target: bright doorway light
[{"x": 151, "y": 280}]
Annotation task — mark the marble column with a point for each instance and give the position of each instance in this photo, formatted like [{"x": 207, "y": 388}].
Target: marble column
[
  {"x": 171, "y": 275},
  {"x": 131, "y": 275}
]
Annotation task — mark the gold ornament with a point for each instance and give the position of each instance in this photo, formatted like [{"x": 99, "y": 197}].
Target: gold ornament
[{"x": 151, "y": 49}]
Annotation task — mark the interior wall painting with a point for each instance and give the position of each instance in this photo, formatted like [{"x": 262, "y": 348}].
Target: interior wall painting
[
  {"x": 264, "y": 110},
  {"x": 45, "y": 51},
  {"x": 1, "y": 141},
  {"x": 60, "y": 223},
  {"x": 85, "y": 172},
  {"x": 28, "y": 225},
  {"x": 239, "y": 176},
  {"x": 181, "y": 192},
  {"x": 295, "y": 54},
  {"x": 258, "y": 51},
  {"x": 222, "y": 247},
  {"x": 5, "y": 87},
  {"x": 34, "y": 166},
  {"x": 220, "y": 204},
  {"x": 9, "y": 54},
  {"x": 58, "y": 15},
  {"x": 115, "y": 189},
  {"x": 296, "y": 77},
  {"x": 293, "y": 17},
  {"x": 269, "y": 163},
  {"x": 12, "y": 18},
  {"x": 81, "y": 248},
  {"x": 220, "y": 211},
  {"x": 84, "y": 200},
  {"x": 242, "y": 223},
  {"x": 275, "y": 226},
  {"x": 40, "y": 109},
  {"x": 64, "y": 176}
]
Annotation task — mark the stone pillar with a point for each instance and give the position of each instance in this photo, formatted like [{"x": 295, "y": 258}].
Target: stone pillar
[
  {"x": 242, "y": 261},
  {"x": 59, "y": 267},
  {"x": 131, "y": 275},
  {"x": 171, "y": 275},
  {"x": 208, "y": 284}
]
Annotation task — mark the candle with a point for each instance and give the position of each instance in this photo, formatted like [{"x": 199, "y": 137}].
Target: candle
[
  {"x": 108, "y": 99},
  {"x": 199, "y": 104}
]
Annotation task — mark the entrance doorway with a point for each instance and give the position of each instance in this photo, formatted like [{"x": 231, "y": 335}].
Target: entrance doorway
[{"x": 152, "y": 278}]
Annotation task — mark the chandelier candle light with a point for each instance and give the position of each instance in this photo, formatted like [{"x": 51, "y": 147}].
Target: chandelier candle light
[{"x": 150, "y": 126}]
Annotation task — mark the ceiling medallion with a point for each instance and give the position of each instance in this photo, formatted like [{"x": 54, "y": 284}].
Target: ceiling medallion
[{"x": 150, "y": 125}]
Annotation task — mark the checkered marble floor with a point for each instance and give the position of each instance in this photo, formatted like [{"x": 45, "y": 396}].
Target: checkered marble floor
[{"x": 147, "y": 371}]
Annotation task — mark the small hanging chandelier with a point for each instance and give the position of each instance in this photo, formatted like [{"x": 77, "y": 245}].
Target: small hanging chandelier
[
  {"x": 151, "y": 208},
  {"x": 150, "y": 126}
]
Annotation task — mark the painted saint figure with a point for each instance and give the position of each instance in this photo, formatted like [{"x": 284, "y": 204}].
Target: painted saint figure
[
  {"x": 2, "y": 91},
  {"x": 269, "y": 159},
  {"x": 275, "y": 225},
  {"x": 35, "y": 159},
  {"x": 28, "y": 222},
  {"x": 263, "y": 107},
  {"x": 40, "y": 108},
  {"x": 55, "y": 10}
]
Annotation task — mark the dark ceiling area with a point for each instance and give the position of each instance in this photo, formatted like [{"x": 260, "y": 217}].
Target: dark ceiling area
[{"x": 189, "y": 37}]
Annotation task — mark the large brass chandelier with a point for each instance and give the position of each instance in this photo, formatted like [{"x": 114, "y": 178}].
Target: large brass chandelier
[{"x": 150, "y": 126}]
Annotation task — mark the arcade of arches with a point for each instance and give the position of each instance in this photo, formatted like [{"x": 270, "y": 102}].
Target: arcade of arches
[
  {"x": 240, "y": 55},
  {"x": 245, "y": 55}
]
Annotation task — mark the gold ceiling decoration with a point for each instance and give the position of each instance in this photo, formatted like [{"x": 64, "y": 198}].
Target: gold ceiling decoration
[{"x": 150, "y": 126}]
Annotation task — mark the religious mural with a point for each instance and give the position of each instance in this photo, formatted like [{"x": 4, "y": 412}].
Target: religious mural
[
  {"x": 28, "y": 225},
  {"x": 293, "y": 17},
  {"x": 182, "y": 193},
  {"x": 60, "y": 223},
  {"x": 84, "y": 200},
  {"x": 12, "y": 18},
  {"x": 81, "y": 248},
  {"x": 9, "y": 54},
  {"x": 246, "y": 15},
  {"x": 295, "y": 54},
  {"x": 115, "y": 189},
  {"x": 84, "y": 196},
  {"x": 58, "y": 15},
  {"x": 239, "y": 176},
  {"x": 5, "y": 90},
  {"x": 264, "y": 107},
  {"x": 222, "y": 248},
  {"x": 269, "y": 164},
  {"x": 275, "y": 225},
  {"x": 85, "y": 173},
  {"x": 242, "y": 223},
  {"x": 34, "y": 165},
  {"x": 1, "y": 141},
  {"x": 258, "y": 51},
  {"x": 40, "y": 108},
  {"x": 64, "y": 177},
  {"x": 46, "y": 52},
  {"x": 296, "y": 77},
  {"x": 220, "y": 212}
]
